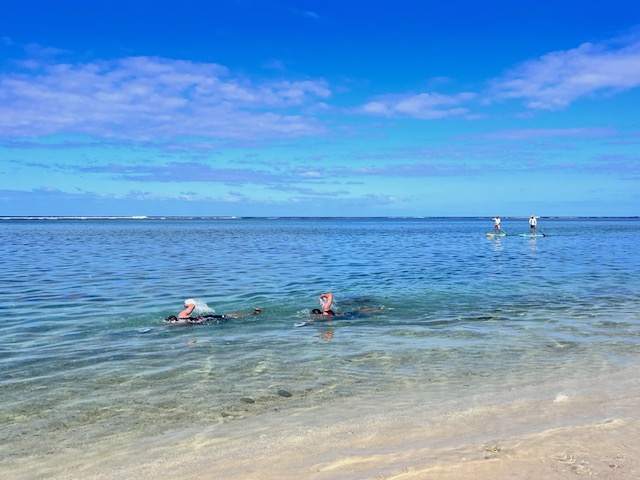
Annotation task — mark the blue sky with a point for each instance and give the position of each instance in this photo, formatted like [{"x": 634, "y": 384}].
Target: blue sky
[{"x": 320, "y": 108}]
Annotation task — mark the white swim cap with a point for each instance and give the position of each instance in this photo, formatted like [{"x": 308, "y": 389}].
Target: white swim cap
[{"x": 189, "y": 301}]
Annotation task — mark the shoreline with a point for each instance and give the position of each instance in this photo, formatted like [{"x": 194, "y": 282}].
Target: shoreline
[{"x": 592, "y": 432}]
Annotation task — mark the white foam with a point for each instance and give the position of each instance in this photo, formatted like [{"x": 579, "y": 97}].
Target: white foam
[
  {"x": 202, "y": 307},
  {"x": 561, "y": 398}
]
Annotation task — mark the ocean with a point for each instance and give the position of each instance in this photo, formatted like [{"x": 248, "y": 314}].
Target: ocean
[{"x": 87, "y": 361}]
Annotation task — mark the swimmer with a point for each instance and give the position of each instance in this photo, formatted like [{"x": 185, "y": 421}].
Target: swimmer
[
  {"x": 326, "y": 301},
  {"x": 190, "y": 320},
  {"x": 184, "y": 317}
]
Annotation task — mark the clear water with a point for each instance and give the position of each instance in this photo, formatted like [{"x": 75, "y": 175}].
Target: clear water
[{"x": 85, "y": 357}]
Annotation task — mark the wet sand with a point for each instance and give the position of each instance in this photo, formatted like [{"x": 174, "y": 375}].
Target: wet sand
[
  {"x": 482, "y": 445},
  {"x": 593, "y": 433}
]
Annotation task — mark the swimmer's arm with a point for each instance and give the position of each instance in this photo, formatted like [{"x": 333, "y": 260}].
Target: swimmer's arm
[
  {"x": 326, "y": 299},
  {"x": 186, "y": 313}
]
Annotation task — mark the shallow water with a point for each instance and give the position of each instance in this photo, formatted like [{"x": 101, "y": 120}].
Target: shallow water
[{"x": 86, "y": 358}]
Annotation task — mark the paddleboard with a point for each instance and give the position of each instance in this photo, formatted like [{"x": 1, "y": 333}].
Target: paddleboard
[
  {"x": 531, "y": 235},
  {"x": 496, "y": 234}
]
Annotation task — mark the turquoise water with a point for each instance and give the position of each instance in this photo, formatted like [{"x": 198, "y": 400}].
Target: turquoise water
[{"x": 85, "y": 357}]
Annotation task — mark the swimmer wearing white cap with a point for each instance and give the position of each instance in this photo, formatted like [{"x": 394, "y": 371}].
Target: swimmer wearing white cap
[
  {"x": 189, "y": 306},
  {"x": 184, "y": 317}
]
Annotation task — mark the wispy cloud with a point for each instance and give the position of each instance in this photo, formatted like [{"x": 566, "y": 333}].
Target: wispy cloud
[
  {"x": 292, "y": 177},
  {"x": 426, "y": 106},
  {"x": 415, "y": 170},
  {"x": 626, "y": 164},
  {"x": 557, "y": 79},
  {"x": 57, "y": 202},
  {"x": 305, "y": 13},
  {"x": 144, "y": 98},
  {"x": 545, "y": 133},
  {"x": 184, "y": 172},
  {"x": 551, "y": 82}
]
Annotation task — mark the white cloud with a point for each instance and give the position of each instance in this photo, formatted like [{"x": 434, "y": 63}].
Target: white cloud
[
  {"x": 425, "y": 106},
  {"x": 551, "y": 82},
  {"x": 142, "y": 98},
  {"x": 559, "y": 78}
]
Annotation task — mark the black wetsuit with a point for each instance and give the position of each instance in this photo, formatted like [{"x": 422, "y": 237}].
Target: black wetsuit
[{"x": 200, "y": 319}]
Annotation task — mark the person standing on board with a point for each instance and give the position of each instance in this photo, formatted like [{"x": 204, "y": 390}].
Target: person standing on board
[
  {"x": 533, "y": 224},
  {"x": 496, "y": 224}
]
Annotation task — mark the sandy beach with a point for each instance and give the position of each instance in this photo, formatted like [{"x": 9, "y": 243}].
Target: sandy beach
[
  {"x": 592, "y": 433},
  {"x": 485, "y": 444}
]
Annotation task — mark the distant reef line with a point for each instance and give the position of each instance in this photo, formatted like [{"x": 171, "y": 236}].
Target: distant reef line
[{"x": 231, "y": 217}]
